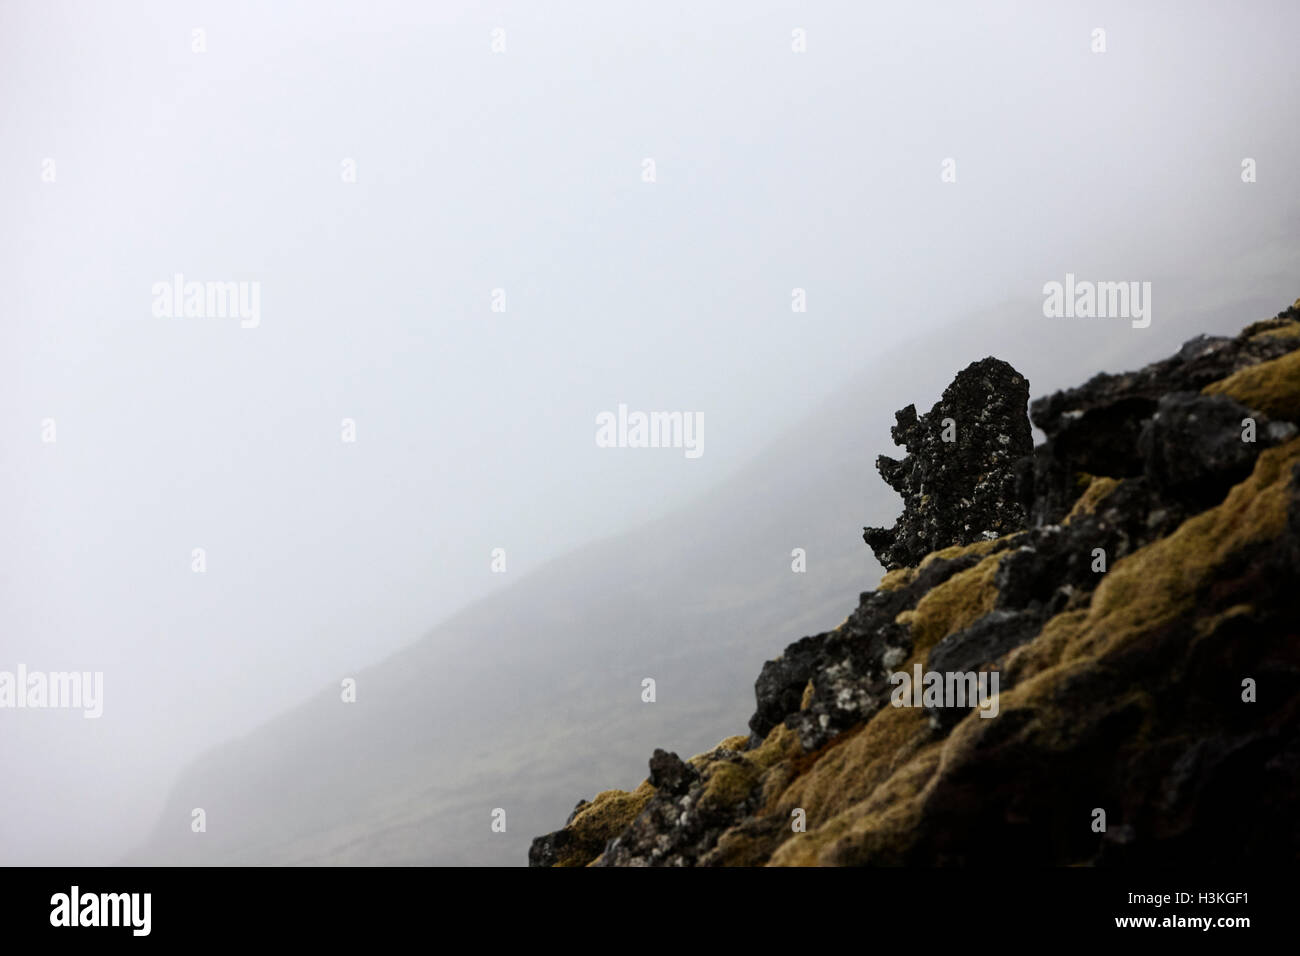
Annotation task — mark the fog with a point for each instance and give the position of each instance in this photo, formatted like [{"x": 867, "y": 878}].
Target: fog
[{"x": 389, "y": 180}]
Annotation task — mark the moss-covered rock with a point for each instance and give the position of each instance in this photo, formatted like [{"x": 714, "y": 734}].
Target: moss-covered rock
[
  {"x": 953, "y": 605},
  {"x": 1093, "y": 495},
  {"x": 1122, "y": 679},
  {"x": 1270, "y": 387},
  {"x": 592, "y": 826}
]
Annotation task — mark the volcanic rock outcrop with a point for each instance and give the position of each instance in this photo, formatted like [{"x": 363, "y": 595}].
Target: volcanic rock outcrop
[
  {"x": 1138, "y": 599},
  {"x": 958, "y": 479}
]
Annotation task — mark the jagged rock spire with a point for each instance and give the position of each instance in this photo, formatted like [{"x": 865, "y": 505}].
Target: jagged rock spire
[{"x": 958, "y": 480}]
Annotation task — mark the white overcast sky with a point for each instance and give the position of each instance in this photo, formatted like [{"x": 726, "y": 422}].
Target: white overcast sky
[{"x": 519, "y": 171}]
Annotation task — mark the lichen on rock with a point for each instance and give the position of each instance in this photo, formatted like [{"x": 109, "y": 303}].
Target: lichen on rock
[{"x": 958, "y": 478}]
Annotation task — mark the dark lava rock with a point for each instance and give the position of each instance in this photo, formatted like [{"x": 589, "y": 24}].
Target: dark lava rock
[
  {"x": 780, "y": 685},
  {"x": 1199, "y": 362},
  {"x": 958, "y": 480},
  {"x": 984, "y": 642},
  {"x": 678, "y": 826},
  {"x": 1193, "y": 448},
  {"x": 669, "y": 773},
  {"x": 852, "y": 682},
  {"x": 1096, "y": 429},
  {"x": 549, "y": 849},
  {"x": 850, "y": 666}
]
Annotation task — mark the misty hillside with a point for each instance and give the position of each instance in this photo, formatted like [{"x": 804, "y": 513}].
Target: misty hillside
[
  {"x": 488, "y": 709},
  {"x": 531, "y": 699}
]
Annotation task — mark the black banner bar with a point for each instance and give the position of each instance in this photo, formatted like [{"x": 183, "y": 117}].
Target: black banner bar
[{"x": 372, "y": 905}]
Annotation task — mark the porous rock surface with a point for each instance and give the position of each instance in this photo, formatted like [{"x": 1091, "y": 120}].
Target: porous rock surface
[{"x": 958, "y": 479}]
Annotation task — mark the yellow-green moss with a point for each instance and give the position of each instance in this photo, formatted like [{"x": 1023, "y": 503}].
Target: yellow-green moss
[
  {"x": 740, "y": 846},
  {"x": 774, "y": 758},
  {"x": 1156, "y": 584},
  {"x": 848, "y": 773},
  {"x": 902, "y": 577},
  {"x": 600, "y": 821},
  {"x": 1211, "y": 623},
  {"x": 729, "y": 780},
  {"x": 727, "y": 783},
  {"x": 1270, "y": 387},
  {"x": 956, "y": 603},
  {"x": 1045, "y": 650},
  {"x": 781, "y": 742},
  {"x": 1291, "y": 330},
  {"x": 774, "y": 783},
  {"x": 895, "y": 579},
  {"x": 980, "y": 547},
  {"x": 878, "y": 827},
  {"x": 1098, "y": 488},
  {"x": 735, "y": 742}
]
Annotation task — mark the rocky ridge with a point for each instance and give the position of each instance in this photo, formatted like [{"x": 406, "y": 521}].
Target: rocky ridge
[{"x": 1132, "y": 582}]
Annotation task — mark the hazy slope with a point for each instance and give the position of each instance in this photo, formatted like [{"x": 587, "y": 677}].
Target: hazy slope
[{"x": 495, "y": 707}]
